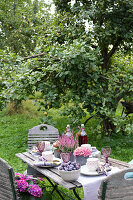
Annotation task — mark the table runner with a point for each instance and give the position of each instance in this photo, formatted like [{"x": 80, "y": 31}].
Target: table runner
[{"x": 91, "y": 184}]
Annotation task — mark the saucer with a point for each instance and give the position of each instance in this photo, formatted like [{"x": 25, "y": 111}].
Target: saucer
[{"x": 85, "y": 171}]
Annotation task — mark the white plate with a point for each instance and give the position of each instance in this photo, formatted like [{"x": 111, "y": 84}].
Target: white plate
[
  {"x": 35, "y": 154},
  {"x": 85, "y": 171}
]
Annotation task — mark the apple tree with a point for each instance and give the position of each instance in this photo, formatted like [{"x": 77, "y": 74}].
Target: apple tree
[{"x": 81, "y": 67}]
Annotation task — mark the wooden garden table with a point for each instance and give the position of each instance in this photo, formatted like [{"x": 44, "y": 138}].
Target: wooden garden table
[{"x": 53, "y": 174}]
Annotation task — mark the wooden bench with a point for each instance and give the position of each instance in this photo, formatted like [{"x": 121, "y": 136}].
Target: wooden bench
[
  {"x": 42, "y": 132},
  {"x": 116, "y": 187},
  {"x": 8, "y": 189}
]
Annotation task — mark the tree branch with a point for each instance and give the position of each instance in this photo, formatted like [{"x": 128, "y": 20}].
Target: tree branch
[
  {"x": 110, "y": 79},
  {"x": 38, "y": 55}
]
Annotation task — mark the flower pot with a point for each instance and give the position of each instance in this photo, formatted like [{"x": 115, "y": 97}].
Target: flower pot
[
  {"x": 81, "y": 160},
  {"x": 25, "y": 196},
  {"x": 45, "y": 196},
  {"x": 72, "y": 157},
  {"x": 57, "y": 153}
]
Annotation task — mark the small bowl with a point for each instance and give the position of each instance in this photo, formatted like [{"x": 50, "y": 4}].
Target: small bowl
[{"x": 69, "y": 175}]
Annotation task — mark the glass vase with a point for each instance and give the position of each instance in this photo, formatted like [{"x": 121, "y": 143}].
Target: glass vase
[
  {"x": 41, "y": 146},
  {"x": 65, "y": 156}
]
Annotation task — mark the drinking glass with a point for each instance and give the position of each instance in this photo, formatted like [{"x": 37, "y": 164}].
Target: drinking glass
[
  {"x": 41, "y": 146},
  {"x": 106, "y": 152},
  {"x": 65, "y": 156}
]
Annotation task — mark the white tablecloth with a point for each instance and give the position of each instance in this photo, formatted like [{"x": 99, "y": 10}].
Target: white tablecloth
[{"x": 91, "y": 184}]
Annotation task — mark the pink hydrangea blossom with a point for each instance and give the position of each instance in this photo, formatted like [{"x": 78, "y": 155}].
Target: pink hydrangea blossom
[
  {"x": 22, "y": 185},
  {"x": 35, "y": 190},
  {"x": 31, "y": 187},
  {"x": 82, "y": 151},
  {"x": 23, "y": 177}
]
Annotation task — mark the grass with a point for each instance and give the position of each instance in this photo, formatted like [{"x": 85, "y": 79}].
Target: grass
[{"x": 14, "y": 130}]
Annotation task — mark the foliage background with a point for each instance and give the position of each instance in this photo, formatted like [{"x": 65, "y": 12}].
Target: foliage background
[
  {"x": 82, "y": 71},
  {"x": 74, "y": 64},
  {"x": 83, "y": 68}
]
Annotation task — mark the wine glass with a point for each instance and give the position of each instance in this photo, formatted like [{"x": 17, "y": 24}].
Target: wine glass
[
  {"x": 106, "y": 152},
  {"x": 65, "y": 156},
  {"x": 41, "y": 146}
]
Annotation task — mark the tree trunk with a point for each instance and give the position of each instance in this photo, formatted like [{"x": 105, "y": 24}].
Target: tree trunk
[
  {"x": 108, "y": 126},
  {"x": 16, "y": 105}
]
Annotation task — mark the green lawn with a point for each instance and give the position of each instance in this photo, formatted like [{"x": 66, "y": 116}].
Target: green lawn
[{"x": 14, "y": 131}]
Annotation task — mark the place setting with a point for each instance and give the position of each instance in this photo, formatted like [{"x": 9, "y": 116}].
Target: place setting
[
  {"x": 44, "y": 155},
  {"x": 40, "y": 147},
  {"x": 94, "y": 167}
]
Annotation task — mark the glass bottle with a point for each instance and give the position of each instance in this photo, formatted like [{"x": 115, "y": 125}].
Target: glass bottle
[
  {"x": 68, "y": 130},
  {"x": 82, "y": 136}
]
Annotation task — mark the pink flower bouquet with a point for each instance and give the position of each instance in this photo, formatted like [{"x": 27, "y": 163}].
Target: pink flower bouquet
[
  {"x": 67, "y": 143},
  {"x": 82, "y": 151}
]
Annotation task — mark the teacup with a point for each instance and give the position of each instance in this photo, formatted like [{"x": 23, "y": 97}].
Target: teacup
[
  {"x": 47, "y": 146},
  {"x": 92, "y": 164},
  {"x": 48, "y": 155},
  {"x": 86, "y": 145}
]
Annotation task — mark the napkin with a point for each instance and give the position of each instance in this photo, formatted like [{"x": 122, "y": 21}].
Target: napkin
[
  {"x": 103, "y": 168},
  {"x": 43, "y": 164},
  {"x": 46, "y": 163},
  {"x": 39, "y": 163}
]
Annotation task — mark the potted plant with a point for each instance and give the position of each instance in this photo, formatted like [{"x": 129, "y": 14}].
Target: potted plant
[
  {"x": 82, "y": 154},
  {"x": 30, "y": 188},
  {"x": 67, "y": 146},
  {"x": 56, "y": 149}
]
